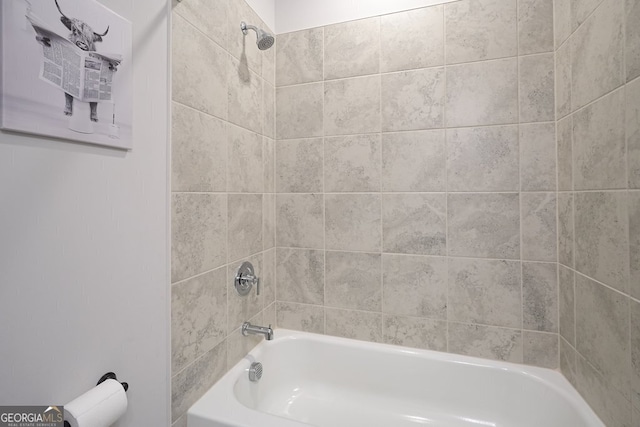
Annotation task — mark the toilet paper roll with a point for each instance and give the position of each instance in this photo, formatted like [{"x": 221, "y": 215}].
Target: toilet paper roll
[{"x": 99, "y": 407}]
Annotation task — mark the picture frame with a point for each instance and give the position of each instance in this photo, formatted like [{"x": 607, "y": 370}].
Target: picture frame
[{"x": 67, "y": 71}]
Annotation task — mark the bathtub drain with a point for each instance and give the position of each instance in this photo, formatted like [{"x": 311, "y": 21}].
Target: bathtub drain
[{"x": 255, "y": 371}]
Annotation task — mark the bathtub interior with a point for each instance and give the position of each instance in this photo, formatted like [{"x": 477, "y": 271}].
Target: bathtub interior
[{"x": 339, "y": 383}]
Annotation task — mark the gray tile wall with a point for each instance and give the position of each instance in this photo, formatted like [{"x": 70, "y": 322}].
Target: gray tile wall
[
  {"x": 416, "y": 180},
  {"x": 598, "y": 132},
  {"x": 415, "y": 187},
  {"x": 223, "y": 191}
]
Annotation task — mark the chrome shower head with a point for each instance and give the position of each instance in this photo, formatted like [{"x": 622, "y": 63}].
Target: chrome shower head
[{"x": 264, "y": 39}]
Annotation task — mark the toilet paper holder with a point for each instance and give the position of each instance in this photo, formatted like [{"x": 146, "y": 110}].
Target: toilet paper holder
[
  {"x": 107, "y": 376},
  {"x": 112, "y": 376}
]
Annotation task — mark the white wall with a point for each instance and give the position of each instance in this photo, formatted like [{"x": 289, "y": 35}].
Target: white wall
[
  {"x": 84, "y": 260},
  {"x": 294, "y": 15},
  {"x": 266, "y": 10}
]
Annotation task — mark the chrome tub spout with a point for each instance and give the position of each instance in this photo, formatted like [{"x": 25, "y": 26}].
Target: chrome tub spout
[{"x": 249, "y": 329}]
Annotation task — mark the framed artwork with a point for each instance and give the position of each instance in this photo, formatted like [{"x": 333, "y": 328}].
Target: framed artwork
[{"x": 66, "y": 71}]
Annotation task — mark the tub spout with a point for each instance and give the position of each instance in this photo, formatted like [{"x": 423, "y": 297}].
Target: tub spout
[{"x": 249, "y": 329}]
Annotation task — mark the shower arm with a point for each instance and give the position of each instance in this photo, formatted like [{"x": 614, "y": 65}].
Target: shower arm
[{"x": 245, "y": 28}]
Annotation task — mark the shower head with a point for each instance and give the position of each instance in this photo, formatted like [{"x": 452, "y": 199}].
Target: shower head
[{"x": 264, "y": 39}]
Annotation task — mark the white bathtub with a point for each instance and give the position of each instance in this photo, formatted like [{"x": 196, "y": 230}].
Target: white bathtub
[{"x": 316, "y": 380}]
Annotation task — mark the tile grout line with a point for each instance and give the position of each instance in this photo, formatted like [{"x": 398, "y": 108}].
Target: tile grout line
[
  {"x": 521, "y": 205},
  {"x": 417, "y": 69},
  {"x": 381, "y": 243},
  {"x": 275, "y": 198},
  {"x": 446, "y": 175},
  {"x": 430, "y": 318},
  {"x": 324, "y": 197},
  {"x": 400, "y": 193},
  {"x": 419, "y": 255},
  {"x": 617, "y": 291},
  {"x": 594, "y": 101},
  {"x": 573, "y": 197},
  {"x": 520, "y": 200},
  {"x": 408, "y": 131},
  {"x": 625, "y": 95},
  {"x": 226, "y": 219},
  {"x": 600, "y": 2},
  {"x": 557, "y": 176}
]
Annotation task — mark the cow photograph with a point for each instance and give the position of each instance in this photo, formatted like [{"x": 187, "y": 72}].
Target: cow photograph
[{"x": 66, "y": 71}]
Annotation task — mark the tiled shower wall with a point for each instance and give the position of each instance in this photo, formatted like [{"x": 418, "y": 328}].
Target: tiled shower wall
[
  {"x": 598, "y": 110},
  {"x": 416, "y": 180},
  {"x": 223, "y": 201},
  {"x": 417, "y": 187}
]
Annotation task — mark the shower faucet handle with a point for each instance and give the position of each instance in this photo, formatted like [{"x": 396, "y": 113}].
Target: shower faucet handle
[{"x": 246, "y": 278}]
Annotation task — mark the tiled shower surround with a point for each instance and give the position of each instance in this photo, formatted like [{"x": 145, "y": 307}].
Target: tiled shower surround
[
  {"x": 223, "y": 201},
  {"x": 598, "y": 146},
  {"x": 416, "y": 180},
  {"x": 458, "y": 177}
]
